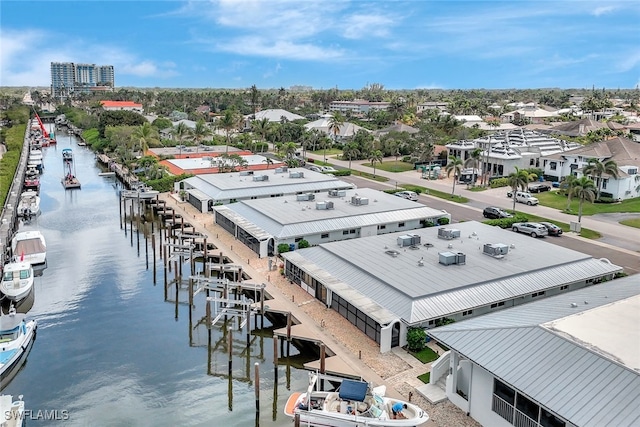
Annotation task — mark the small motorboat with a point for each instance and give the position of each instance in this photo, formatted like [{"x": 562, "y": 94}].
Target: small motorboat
[
  {"x": 140, "y": 191},
  {"x": 32, "y": 182},
  {"x": 16, "y": 339},
  {"x": 12, "y": 411},
  {"x": 67, "y": 155},
  {"x": 353, "y": 404},
  {"x": 30, "y": 246},
  {"x": 17, "y": 280},
  {"x": 29, "y": 204}
]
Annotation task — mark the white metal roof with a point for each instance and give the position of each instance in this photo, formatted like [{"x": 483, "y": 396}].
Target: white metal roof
[
  {"x": 417, "y": 293},
  {"x": 285, "y": 217},
  {"x": 547, "y": 350}
]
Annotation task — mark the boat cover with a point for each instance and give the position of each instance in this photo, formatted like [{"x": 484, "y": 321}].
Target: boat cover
[
  {"x": 29, "y": 246},
  {"x": 353, "y": 390},
  {"x": 10, "y": 322}
]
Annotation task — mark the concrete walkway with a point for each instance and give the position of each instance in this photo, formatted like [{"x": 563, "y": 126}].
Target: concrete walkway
[{"x": 618, "y": 235}]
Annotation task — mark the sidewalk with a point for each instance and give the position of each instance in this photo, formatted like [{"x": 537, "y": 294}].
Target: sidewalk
[{"x": 625, "y": 238}]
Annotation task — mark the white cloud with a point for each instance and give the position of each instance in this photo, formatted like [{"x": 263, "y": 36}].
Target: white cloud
[
  {"x": 367, "y": 26},
  {"x": 629, "y": 61},
  {"x": 273, "y": 72},
  {"x": 602, "y": 10},
  {"x": 284, "y": 49}
]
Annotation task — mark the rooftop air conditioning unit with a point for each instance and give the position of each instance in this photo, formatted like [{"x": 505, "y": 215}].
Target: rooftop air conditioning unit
[
  {"x": 404, "y": 240},
  {"x": 415, "y": 239},
  {"x": 246, "y": 173},
  {"x": 261, "y": 178},
  {"x": 496, "y": 250},
  {"x": 337, "y": 193},
  {"x": 359, "y": 201},
  {"x": 305, "y": 197},
  {"x": 281, "y": 169},
  {"x": 448, "y": 233},
  {"x": 296, "y": 174},
  {"x": 324, "y": 205},
  {"x": 451, "y": 258}
]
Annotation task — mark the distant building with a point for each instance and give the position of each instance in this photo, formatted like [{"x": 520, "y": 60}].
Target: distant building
[
  {"x": 122, "y": 105},
  {"x": 69, "y": 77},
  {"x": 358, "y": 107}
]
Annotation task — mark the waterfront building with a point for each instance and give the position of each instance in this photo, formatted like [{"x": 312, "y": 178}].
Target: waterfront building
[
  {"x": 206, "y": 190},
  {"x": 317, "y": 218},
  {"x": 387, "y": 283},
  {"x": 564, "y": 361},
  {"x": 69, "y": 77}
]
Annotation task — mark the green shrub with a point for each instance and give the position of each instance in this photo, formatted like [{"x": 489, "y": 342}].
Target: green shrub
[
  {"x": 416, "y": 339},
  {"x": 428, "y": 224},
  {"x": 342, "y": 172},
  {"x": 283, "y": 247},
  {"x": 303, "y": 244},
  {"x": 443, "y": 220},
  {"x": 507, "y": 222},
  {"x": 499, "y": 182},
  {"x": 605, "y": 200}
]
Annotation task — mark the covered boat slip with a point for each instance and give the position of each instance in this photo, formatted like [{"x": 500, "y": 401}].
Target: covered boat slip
[{"x": 29, "y": 247}]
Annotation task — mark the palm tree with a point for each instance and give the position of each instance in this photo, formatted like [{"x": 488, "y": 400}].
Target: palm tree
[
  {"x": 454, "y": 165},
  {"x": 335, "y": 123},
  {"x": 375, "y": 156},
  {"x": 182, "y": 132},
  {"x": 597, "y": 168},
  {"x": 584, "y": 189},
  {"x": 519, "y": 180},
  {"x": 200, "y": 132},
  {"x": 261, "y": 127},
  {"x": 229, "y": 122},
  {"x": 473, "y": 160},
  {"x": 145, "y": 134},
  {"x": 567, "y": 185},
  {"x": 268, "y": 161},
  {"x": 350, "y": 151},
  {"x": 324, "y": 143}
]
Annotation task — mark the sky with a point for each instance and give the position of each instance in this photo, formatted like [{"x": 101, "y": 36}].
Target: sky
[{"x": 446, "y": 44}]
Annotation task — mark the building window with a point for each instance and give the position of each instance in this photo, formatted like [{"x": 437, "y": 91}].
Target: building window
[
  {"x": 547, "y": 419},
  {"x": 345, "y": 232},
  {"x": 352, "y": 231},
  {"x": 537, "y": 294},
  {"x": 604, "y": 184},
  {"x": 532, "y": 162},
  {"x": 298, "y": 239},
  {"x": 497, "y": 304},
  {"x": 382, "y": 227},
  {"x": 324, "y": 236},
  {"x": 401, "y": 224},
  {"x": 467, "y": 313},
  {"x": 564, "y": 287},
  {"x": 527, "y": 410}
]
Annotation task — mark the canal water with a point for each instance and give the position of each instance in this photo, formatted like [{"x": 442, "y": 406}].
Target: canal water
[{"x": 110, "y": 351}]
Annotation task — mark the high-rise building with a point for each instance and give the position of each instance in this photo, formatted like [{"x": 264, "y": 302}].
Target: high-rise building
[{"x": 69, "y": 77}]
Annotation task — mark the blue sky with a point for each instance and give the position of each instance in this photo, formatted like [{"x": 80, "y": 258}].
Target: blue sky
[{"x": 330, "y": 43}]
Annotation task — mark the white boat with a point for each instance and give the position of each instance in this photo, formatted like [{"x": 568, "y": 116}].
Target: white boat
[
  {"x": 30, "y": 246},
  {"x": 11, "y": 411},
  {"x": 140, "y": 192},
  {"x": 354, "y": 404},
  {"x": 16, "y": 338},
  {"x": 29, "y": 204},
  {"x": 17, "y": 280}
]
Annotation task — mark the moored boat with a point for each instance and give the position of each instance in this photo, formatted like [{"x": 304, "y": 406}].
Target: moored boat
[
  {"x": 67, "y": 155},
  {"x": 30, "y": 246},
  {"x": 16, "y": 339},
  {"x": 29, "y": 204},
  {"x": 354, "y": 404},
  {"x": 17, "y": 280},
  {"x": 140, "y": 191},
  {"x": 12, "y": 411}
]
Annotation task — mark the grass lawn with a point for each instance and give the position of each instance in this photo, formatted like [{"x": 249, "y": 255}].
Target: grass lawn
[
  {"x": 478, "y": 188},
  {"x": 426, "y": 355},
  {"x": 584, "y": 232},
  {"x": 435, "y": 193},
  {"x": 635, "y": 222},
  {"x": 369, "y": 176},
  {"x": 329, "y": 152},
  {"x": 392, "y": 166},
  {"x": 425, "y": 377},
  {"x": 555, "y": 200}
]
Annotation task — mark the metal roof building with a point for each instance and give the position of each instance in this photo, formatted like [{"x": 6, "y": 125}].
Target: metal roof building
[
  {"x": 231, "y": 187},
  {"x": 290, "y": 219},
  {"x": 426, "y": 276},
  {"x": 569, "y": 360}
]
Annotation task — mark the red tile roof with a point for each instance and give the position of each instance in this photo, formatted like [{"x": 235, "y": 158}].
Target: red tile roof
[{"x": 120, "y": 104}]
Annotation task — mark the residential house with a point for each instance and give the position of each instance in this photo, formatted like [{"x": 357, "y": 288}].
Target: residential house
[
  {"x": 358, "y": 107},
  {"x": 346, "y": 131},
  {"x": 122, "y": 106}
]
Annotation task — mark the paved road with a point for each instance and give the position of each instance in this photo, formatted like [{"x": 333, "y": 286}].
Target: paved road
[{"x": 620, "y": 244}]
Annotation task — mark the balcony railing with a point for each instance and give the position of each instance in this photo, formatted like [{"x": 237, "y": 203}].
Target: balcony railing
[
  {"x": 502, "y": 408},
  {"x": 523, "y": 420}
]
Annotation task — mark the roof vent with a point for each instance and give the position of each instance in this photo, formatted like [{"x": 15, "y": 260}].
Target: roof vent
[
  {"x": 392, "y": 253},
  {"x": 359, "y": 201},
  {"x": 574, "y": 305},
  {"x": 305, "y": 197},
  {"x": 421, "y": 262},
  {"x": 337, "y": 193},
  {"x": 261, "y": 178},
  {"x": 448, "y": 233},
  {"x": 298, "y": 174},
  {"x": 281, "y": 169},
  {"x": 496, "y": 250}
]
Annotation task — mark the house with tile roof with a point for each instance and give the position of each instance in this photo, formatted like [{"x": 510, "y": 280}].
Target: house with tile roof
[
  {"x": 122, "y": 106},
  {"x": 565, "y": 361},
  {"x": 626, "y": 154},
  {"x": 582, "y": 127},
  {"x": 347, "y": 130}
]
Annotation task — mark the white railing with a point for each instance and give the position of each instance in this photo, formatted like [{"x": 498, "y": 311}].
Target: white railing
[
  {"x": 440, "y": 367},
  {"x": 523, "y": 420},
  {"x": 502, "y": 408}
]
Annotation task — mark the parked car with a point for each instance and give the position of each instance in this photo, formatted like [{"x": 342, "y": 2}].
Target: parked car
[
  {"x": 524, "y": 197},
  {"x": 552, "y": 229},
  {"x": 410, "y": 195},
  {"x": 315, "y": 168},
  {"x": 534, "y": 229},
  {"x": 539, "y": 188},
  {"x": 327, "y": 169},
  {"x": 492, "y": 212}
]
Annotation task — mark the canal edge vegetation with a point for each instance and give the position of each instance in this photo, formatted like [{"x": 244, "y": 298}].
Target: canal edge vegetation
[{"x": 12, "y": 135}]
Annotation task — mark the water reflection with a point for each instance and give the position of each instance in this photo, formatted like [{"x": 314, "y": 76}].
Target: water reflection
[{"x": 112, "y": 349}]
